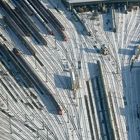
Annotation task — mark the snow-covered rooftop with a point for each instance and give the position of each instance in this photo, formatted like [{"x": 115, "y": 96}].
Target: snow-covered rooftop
[{"x": 95, "y": 1}]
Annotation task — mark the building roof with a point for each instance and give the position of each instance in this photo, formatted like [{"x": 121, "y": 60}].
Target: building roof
[
  {"x": 80, "y": 1},
  {"x": 77, "y": 2}
]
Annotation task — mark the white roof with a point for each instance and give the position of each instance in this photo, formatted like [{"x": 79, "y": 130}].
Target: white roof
[{"x": 80, "y": 1}]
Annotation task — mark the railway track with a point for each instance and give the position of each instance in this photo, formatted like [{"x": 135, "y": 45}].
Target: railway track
[
  {"x": 89, "y": 117},
  {"x": 27, "y": 7},
  {"x": 109, "y": 127},
  {"x": 111, "y": 97},
  {"x": 24, "y": 23},
  {"x": 45, "y": 60},
  {"x": 93, "y": 110},
  {"x": 86, "y": 76},
  {"x": 132, "y": 27},
  {"x": 22, "y": 63},
  {"x": 108, "y": 77},
  {"x": 48, "y": 18},
  {"x": 33, "y": 28},
  {"x": 40, "y": 116}
]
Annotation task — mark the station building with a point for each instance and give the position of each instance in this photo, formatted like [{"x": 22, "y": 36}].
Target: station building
[{"x": 89, "y": 2}]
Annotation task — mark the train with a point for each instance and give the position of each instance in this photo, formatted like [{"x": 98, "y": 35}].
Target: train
[
  {"x": 89, "y": 117},
  {"x": 16, "y": 52},
  {"x": 48, "y": 17},
  {"x": 31, "y": 26},
  {"x": 113, "y": 20},
  {"x": 55, "y": 20},
  {"x": 89, "y": 85},
  {"x": 86, "y": 28},
  {"x": 10, "y": 12},
  {"x": 19, "y": 33},
  {"x": 35, "y": 79},
  {"x": 125, "y": 9},
  {"x": 74, "y": 80},
  {"x": 102, "y": 92},
  {"x": 40, "y": 17},
  {"x": 26, "y": 7}
]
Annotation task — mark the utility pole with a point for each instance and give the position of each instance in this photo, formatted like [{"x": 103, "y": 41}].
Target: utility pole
[
  {"x": 46, "y": 74},
  {"x": 10, "y": 125},
  {"x": 55, "y": 43},
  {"x": 35, "y": 62},
  {"x": 7, "y": 103}
]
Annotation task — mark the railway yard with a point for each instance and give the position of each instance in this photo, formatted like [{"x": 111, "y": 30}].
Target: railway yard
[{"x": 69, "y": 74}]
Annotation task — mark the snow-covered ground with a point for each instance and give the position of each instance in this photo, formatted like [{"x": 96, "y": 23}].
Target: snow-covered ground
[{"x": 19, "y": 116}]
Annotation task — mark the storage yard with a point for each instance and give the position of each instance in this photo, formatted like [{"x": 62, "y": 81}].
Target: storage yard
[{"x": 69, "y": 72}]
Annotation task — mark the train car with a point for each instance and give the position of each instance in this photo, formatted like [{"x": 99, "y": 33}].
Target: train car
[
  {"x": 113, "y": 20},
  {"x": 55, "y": 20},
  {"x": 64, "y": 36},
  {"x": 16, "y": 51},
  {"x": 11, "y": 13},
  {"x": 41, "y": 16},
  {"x": 89, "y": 116},
  {"x": 74, "y": 80},
  {"x": 26, "y": 7},
  {"x": 47, "y": 17},
  {"x": 125, "y": 9},
  {"x": 11, "y": 23},
  {"x": 60, "y": 111},
  {"x": 3, "y": 37},
  {"x": 138, "y": 111},
  {"x": 137, "y": 52},
  {"x": 104, "y": 9},
  {"x": 88, "y": 31},
  {"x": 79, "y": 64},
  {"x": 32, "y": 76},
  {"x": 31, "y": 26}
]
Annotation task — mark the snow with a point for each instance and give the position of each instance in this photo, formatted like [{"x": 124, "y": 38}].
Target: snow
[{"x": 122, "y": 86}]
